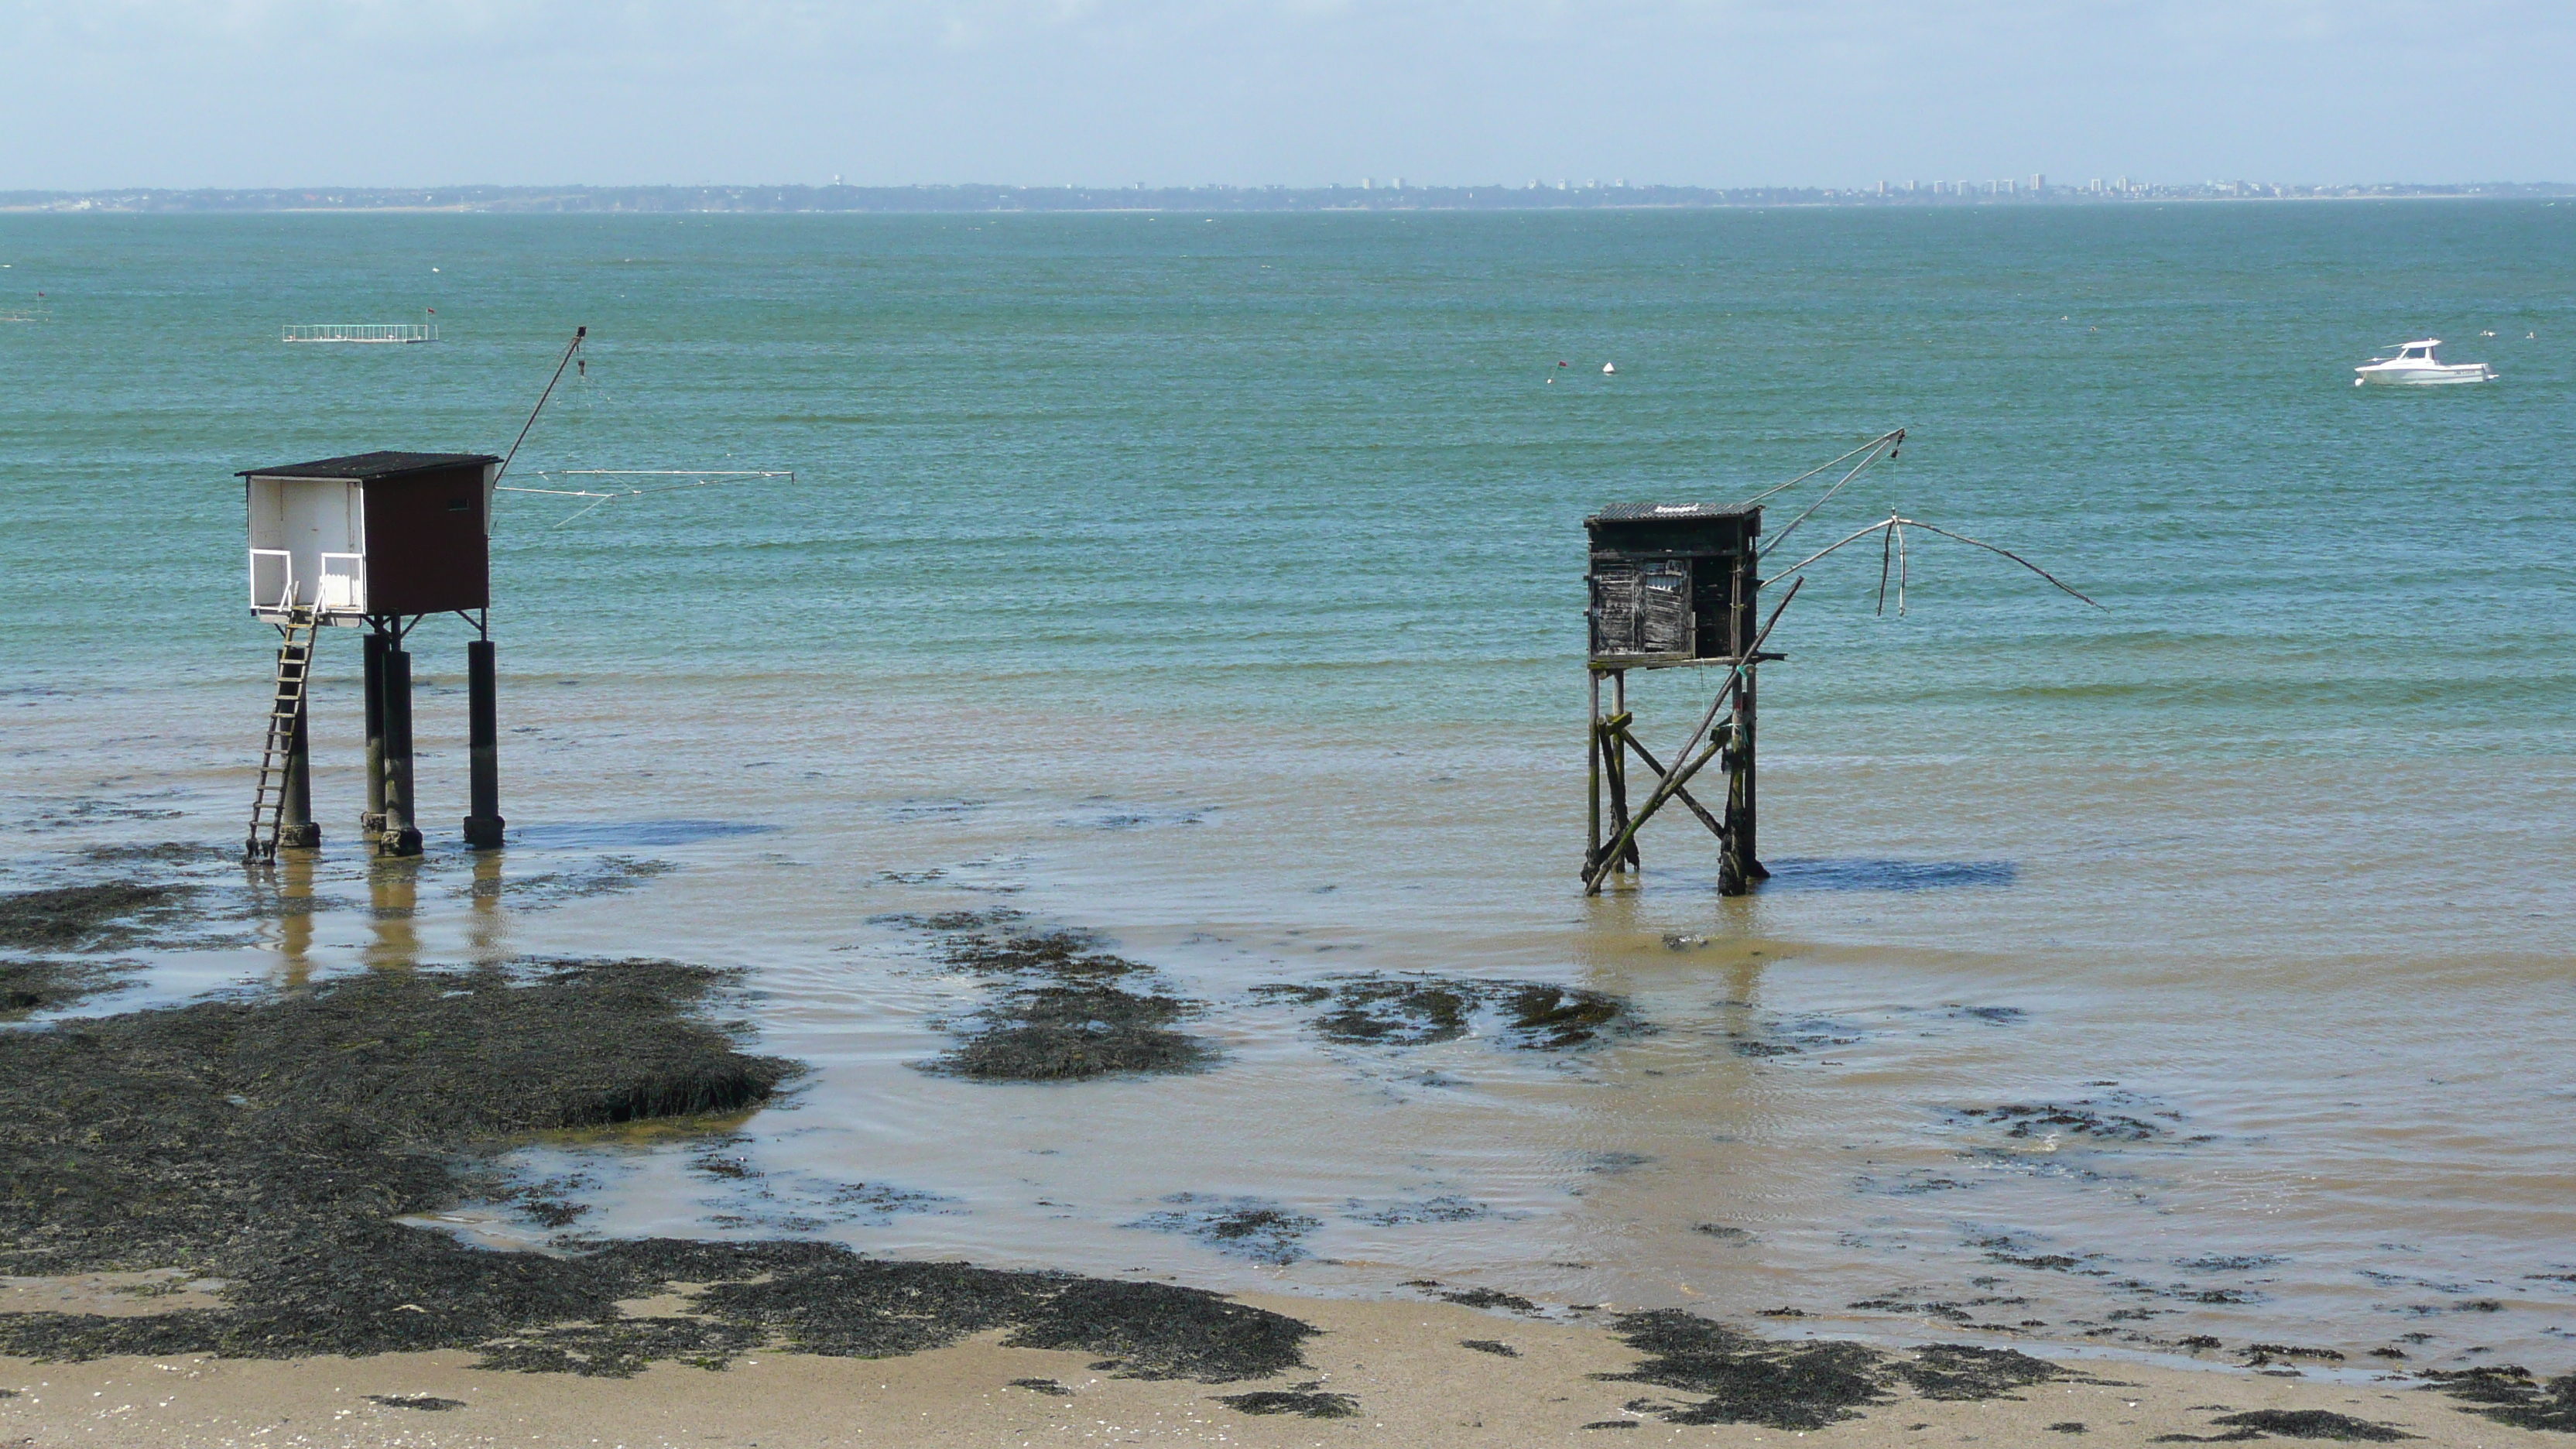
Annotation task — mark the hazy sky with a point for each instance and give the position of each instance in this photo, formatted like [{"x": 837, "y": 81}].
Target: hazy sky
[{"x": 1108, "y": 92}]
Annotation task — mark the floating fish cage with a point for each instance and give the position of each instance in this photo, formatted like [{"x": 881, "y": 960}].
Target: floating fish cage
[
  {"x": 394, "y": 332},
  {"x": 1671, "y": 583}
]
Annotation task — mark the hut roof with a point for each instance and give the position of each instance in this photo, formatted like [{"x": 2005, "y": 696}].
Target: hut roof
[
  {"x": 1661, "y": 512},
  {"x": 367, "y": 467}
]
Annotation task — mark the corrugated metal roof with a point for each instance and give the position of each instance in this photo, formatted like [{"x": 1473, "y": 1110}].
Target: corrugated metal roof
[
  {"x": 1661, "y": 512},
  {"x": 366, "y": 467}
]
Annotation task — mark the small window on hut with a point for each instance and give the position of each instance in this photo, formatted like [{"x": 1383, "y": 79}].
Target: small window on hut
[{"x": 460, "y": 505}]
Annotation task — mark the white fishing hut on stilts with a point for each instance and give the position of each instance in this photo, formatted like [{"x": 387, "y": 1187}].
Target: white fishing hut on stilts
[{"x": 372, "y": 541}]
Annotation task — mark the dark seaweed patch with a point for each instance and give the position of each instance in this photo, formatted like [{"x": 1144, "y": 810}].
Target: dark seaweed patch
[
  {"x": 429, "y": 1403},
  {"x": 168, "y": 852},
  {"x": 1494, "y": 1346},
  {"x": 1747, "y": 1380},
  {"x": 2025, "y": 1120},
  {"x": 148, "y": 1139},
  {"x": 1075, "y": 1033},
  {"x": 1048, "y": 1387},
  {"x": 1446, "y": 1208},
  {"x": 1552, "y": 1018},
  {"x": 1802, "y": 1385},
  {"x": 2508, "y": 1394},
  {"x": 2263, "y": 1353},
  {"x": 1490, "y": 1298},
  {"x": 1240, "y": 1227},
  {"x": 84, "y": 917},
  {"x": 1312, "y": 1405},
  {"x": 27, "y": 986},
  {"x": 1066, "y": 1017},
  {"x": 2309, "y": 1424},
  {"x": 1964, "y": 1371},
  {"x": 1398, "y": 1012},
  {"x": 1412, "y": 1010},
  {"x": 269, "y": 1142}
]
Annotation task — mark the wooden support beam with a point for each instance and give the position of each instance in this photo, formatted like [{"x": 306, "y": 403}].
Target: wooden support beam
[
  {"x": 1675, "y": 780},
  {"x": 1616, "y": 752},
  {"x": 1684, "y": 796},
  {"x": 1592, "y": 851}
]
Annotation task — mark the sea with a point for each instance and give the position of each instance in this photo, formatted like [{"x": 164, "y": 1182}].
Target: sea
[{"x": 2190, "y": 964}]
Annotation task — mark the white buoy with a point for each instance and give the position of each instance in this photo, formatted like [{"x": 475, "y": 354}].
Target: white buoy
[{"x": 1606, "y": 367}]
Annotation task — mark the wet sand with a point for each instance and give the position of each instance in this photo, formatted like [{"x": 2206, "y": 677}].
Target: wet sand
[{"x": 1405, "y": 1370}]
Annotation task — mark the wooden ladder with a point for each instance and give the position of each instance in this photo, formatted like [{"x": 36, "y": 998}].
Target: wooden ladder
[{"x": 285, "y": 710}]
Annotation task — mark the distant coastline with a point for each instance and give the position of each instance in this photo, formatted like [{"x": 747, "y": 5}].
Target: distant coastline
[{"x": 1560, "y": 196}]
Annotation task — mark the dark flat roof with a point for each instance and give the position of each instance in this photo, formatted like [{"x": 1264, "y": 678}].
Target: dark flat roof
[
  {"x": 1662, "y": 512},
  {"x": 366, "y": 467}
]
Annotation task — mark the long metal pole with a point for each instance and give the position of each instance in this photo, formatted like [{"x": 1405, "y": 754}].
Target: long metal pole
[{"x": 570, "y": 348}]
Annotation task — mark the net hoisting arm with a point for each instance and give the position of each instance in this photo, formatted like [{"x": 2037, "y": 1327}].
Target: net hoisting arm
[
  {"x": 699, "y": 478},
  {"x": 570, "y": 348}
]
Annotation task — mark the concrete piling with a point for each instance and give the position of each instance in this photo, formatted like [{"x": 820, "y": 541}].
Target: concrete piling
[
  {"x": 296, "y": 828},
  {"x": 371, "y": 821},
  {"x": 483, "y": 822},
  {"x": 399, "y": 835}
]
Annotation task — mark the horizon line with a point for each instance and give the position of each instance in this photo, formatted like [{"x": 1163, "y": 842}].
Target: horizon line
[{"x": 1369, "y": 194}]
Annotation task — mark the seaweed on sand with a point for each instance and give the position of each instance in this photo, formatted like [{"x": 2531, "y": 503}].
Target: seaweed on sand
[
  {"x": 2508, "y": 1394},
  {"x": 1066, "y": 1015},
  {"x": 1311, "y": 1405},
  {"x": 271, "y": 1141},
  {"x": 1748, "y": 1380},
  {"x": 44, "y": 985},
  {"x": 1242, "y": 1228},
  {"x": 1419, "y": 1010},
  {"x": 176, "y": 1136},
  {"x": 83, "y": 917},
  {"x": 1967, "y": 1371},
  {"x": 2293, "y": 1424},
  {"x": 1801, "y": 1385}
]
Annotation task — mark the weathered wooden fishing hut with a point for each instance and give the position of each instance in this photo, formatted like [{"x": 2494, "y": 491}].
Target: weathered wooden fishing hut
[
  {"x": 379, "y": 542},
  {"x": 1673, "y": 587}
]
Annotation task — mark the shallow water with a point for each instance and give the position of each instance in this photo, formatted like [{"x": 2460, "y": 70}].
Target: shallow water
[{"x": 1215, "y": 585}]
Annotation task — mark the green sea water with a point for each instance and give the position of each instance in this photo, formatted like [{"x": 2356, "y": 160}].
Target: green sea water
[{"x": 1216, "y": 584}]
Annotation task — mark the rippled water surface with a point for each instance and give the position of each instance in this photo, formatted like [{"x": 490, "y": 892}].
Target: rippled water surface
[{"x": 2194, "y": 965}]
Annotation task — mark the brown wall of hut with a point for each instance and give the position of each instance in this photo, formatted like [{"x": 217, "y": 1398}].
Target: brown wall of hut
[{"x": 427, "y": 551}]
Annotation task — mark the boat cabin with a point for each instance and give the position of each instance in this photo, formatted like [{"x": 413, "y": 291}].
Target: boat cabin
[
  {"x": 2419, "y": 351},
  {"x": 1671, "y": 583},
  {"x": 371, "y": 533}
]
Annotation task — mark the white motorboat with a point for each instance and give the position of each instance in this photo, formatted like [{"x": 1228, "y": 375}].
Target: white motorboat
[{"x": 2419, "y": 364}]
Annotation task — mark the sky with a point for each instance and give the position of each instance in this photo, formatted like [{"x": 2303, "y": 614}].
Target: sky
[{"x": 184, "y": 93}]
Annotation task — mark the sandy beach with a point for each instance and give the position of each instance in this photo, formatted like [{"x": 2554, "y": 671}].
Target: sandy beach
[{"x": 1411, "y": 1374}]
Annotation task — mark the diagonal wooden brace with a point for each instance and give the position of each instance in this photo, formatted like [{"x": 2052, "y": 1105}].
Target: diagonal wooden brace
[{"x": 1714, "y": 828}]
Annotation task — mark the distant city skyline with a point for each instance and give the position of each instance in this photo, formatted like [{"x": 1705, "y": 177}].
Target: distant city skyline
[{"x": 1707, "y": 93}]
